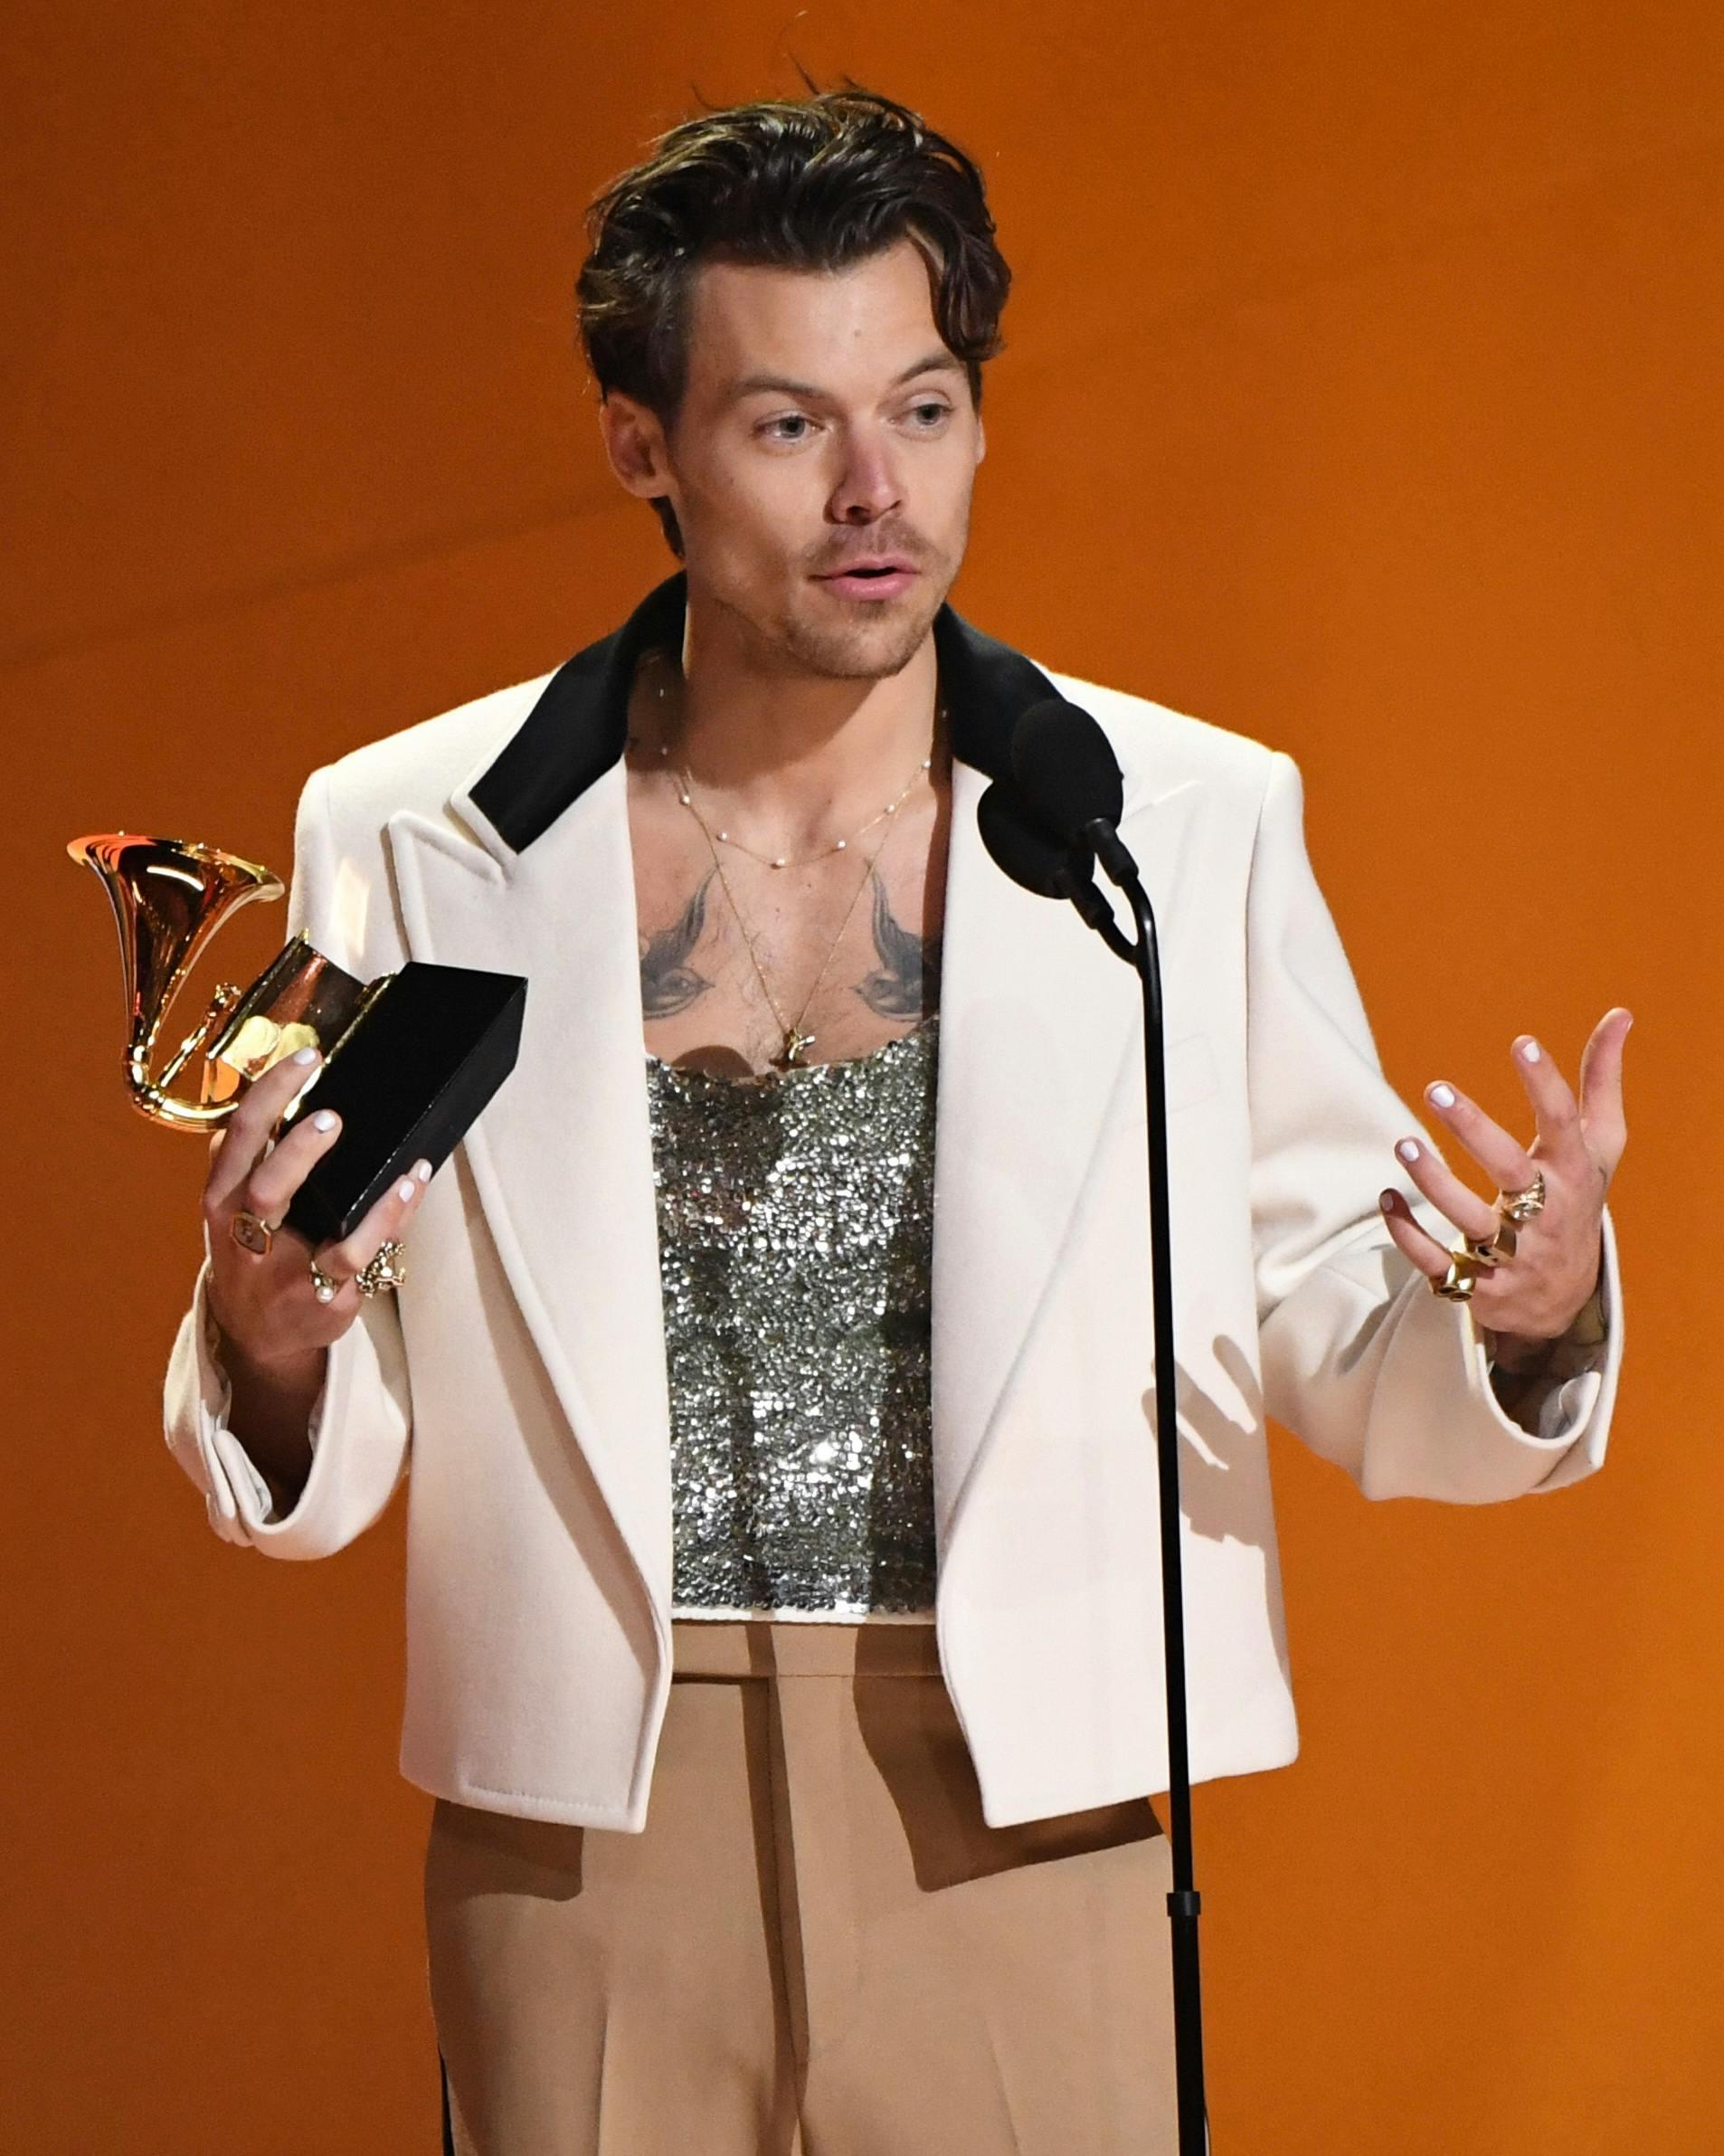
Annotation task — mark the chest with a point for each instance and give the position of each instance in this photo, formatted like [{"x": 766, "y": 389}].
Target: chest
[{"x": 841, "y": 950}]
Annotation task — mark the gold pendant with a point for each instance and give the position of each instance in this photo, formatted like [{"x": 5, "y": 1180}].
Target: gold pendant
[{"x": 792, "y": 1057}]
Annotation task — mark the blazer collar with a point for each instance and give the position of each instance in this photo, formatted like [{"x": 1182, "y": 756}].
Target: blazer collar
[{"x": 578, "y": 728}]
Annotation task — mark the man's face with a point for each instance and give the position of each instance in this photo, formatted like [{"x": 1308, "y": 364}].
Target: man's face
[{"x": 824, "y": 426}]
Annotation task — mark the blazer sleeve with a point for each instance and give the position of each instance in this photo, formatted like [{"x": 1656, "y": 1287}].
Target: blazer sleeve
[
  {"x": 362, "y": 1421},
  {"x": 1359, "y": 1359}
]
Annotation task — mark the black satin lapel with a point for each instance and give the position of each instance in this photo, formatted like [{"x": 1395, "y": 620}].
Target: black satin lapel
[
  {"x": 988, "y": 686},
  {"x": 579, "y": 727}
]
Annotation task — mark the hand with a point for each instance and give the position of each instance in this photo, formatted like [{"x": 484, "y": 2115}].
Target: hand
[
  {"x": 1535, "y": 1296},
  {"x": 263, "y": 1303}
]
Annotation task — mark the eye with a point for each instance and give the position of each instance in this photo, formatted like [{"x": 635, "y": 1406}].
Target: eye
[
  {"x": 930, "y": 413},
  {"x": 785, "y": 419}
]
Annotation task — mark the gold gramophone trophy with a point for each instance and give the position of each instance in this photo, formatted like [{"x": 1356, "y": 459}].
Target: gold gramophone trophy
[{"x": 409, "y": 1059}]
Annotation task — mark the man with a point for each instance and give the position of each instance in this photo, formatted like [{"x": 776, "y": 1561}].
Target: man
[{"x": 734, "y": 1482}]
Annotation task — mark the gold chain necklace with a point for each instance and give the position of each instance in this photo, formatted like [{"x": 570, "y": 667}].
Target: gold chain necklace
[{"x": 792, "y": 1055}]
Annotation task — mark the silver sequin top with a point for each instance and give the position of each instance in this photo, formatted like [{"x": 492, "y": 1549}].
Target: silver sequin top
[{"x": 795, "y": 1233}]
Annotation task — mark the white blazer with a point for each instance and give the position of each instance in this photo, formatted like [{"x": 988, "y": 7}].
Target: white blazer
[{"x": 521, "y": 1370}]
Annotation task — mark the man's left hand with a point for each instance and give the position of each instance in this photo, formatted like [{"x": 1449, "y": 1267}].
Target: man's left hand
[{"x": 1533, "y": 1297}]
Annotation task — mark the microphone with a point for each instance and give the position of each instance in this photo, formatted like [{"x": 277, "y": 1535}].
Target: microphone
[
  {"x": 1070, "y": 781},
  {"x": 1022, "y": 848}
]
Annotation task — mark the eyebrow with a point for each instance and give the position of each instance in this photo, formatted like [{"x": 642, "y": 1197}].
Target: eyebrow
[{"x": 748, "y": 385}]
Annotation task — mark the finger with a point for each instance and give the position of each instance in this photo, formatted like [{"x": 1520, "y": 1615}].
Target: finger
[
  {"x": 386, "y": 1221},
  {"x": 271, "y": 1185},
  {"x": 1502, "y": 1155},
  {"x": 1410, "y": 1239},
  {"x": 1472, "y": 1214},
  {"x": 1602, "y": 1119},
  {"x": 1555, "y": 1107},
  {"x": 248, "y": 1129}
]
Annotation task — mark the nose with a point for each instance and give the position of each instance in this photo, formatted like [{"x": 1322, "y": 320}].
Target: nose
[{"x": 867, "y": 487}]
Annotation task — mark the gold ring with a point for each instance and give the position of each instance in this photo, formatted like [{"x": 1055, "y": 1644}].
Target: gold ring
[
  {"x": 1522, "y": 1206},
  {"x": 323, "y": 1286},
  {"x": 1490, "y": 1250},
  {"x": 383, "y": 1271},
  {"x": 1456, "y": 1285},
  {"x": 252, "y": 1233}
]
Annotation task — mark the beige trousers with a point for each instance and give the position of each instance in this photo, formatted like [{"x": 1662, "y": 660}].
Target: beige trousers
[{"x": 816, "y": 1948}]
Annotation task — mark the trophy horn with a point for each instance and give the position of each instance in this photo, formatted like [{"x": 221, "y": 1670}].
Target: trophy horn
[{"x": 169, "y": 896}]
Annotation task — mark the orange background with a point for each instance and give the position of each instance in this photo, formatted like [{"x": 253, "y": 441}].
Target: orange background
[{"x": 1362, "y": 395}]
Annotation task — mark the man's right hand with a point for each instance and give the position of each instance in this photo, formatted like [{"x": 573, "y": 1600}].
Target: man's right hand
[{"x": 274, "y": 1333}]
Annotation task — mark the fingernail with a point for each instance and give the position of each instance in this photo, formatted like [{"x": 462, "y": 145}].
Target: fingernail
[
  {"x": 1440, "y": 1095},
  {"x": 1386, "y": 1200},
  {"x": 306, "y": 1055},
  {"x": 1531, "y": 1051},
  {"x": 422, "y": 1169},
  {"x": 1407, "y": 1149},
  {"x": 405, "y": 1190},
  {"x": 325, "y": 1119}
]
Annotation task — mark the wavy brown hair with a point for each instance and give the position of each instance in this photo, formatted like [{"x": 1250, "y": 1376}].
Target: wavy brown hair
[{"x": 809, "y": 184}]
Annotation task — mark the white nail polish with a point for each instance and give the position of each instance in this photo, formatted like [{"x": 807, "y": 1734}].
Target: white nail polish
[
  {"x": 1532, "y": 1052},
  {"x": 325, "y": 1119},
  {"x": 1443, "y": 1095},
  {"x": 305, "y": 1055},
  {"x": 423, "y": 1171},
  {"x": 405, "y": 1190},
  {"x": 1407, "y": 1150}
]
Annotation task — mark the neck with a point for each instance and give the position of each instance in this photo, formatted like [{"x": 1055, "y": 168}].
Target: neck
[{"x": 790, "y": 748}]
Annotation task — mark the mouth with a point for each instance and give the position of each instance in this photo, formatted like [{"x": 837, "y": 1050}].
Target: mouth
[{"x": 883, "y": 577}]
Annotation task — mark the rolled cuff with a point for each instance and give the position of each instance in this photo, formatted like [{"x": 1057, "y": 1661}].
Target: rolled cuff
[
  {"x": 1561, "y": 1431},
  {"x": 359, "y": 1428},
  {"x": 1554, "y": 1399},
  {"x": 199, "y": 1402}
]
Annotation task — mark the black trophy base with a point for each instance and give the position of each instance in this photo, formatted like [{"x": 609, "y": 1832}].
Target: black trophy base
[{"x": 408, "y": 1082}]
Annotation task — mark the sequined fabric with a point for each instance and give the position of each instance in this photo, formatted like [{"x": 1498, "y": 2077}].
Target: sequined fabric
[{"x": 795, "y": 1232}]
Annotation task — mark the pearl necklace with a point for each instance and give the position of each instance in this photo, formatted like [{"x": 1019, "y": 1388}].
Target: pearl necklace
[{"x": 685, "y": 793}]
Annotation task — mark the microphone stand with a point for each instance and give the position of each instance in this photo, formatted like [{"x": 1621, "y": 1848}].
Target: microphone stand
[{"x": 1184, "y": 1902}]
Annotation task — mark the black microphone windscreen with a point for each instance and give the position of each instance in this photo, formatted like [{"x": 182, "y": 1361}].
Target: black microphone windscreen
[
  {"x": 1019, "y": 845},
  {"x": 1066, "y": 769}
]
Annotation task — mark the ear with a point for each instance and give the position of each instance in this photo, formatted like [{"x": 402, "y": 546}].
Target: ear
[
  {"x": 634, "y": 441},
  {"x": 981, "y": 439}
]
